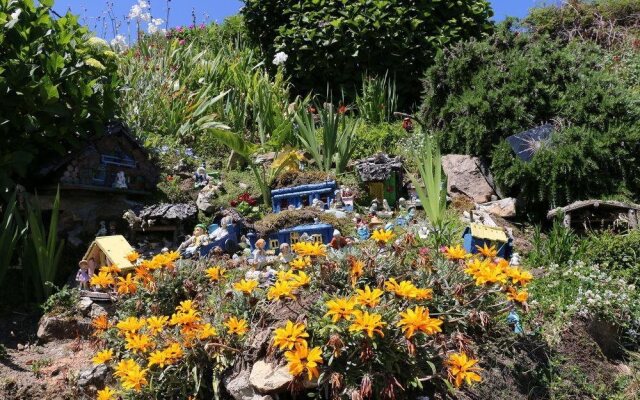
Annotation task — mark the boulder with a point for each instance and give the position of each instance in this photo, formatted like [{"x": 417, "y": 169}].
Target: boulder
[
  {"x": 504, "y": 208},
  {"x": 207, "y": 195},
  {"x": 268, "y": 378},
  {"x": 96, "y": 376},
  {"x": 239, "y": 387},
  {"x": 56, "y": 327},
  {"x": 465, "y": 177}
]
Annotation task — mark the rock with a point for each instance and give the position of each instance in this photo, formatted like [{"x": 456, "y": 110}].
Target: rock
[
  {"x": 268, "y": 378},
  {"x": 504, "y": 208},
  {"x": 206, "y": 196},
  {"x": 240, "y": 388},
  {"x": 97, "y": 310},
  {"x": 22, "y": 347},
  {"x": 465, "y": 177},
  {"x": 243, "y": 186},
  {"x": 94, "y": 376},
  {"x": 84, "y": 305},
  {"x": 55, "y": 327}
]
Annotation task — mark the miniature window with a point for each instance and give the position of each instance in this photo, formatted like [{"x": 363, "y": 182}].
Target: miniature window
[
  {"x": 295, "y": 237},
  {"x": 274, "y": 244},
  {"x": 317, "y": 238}
]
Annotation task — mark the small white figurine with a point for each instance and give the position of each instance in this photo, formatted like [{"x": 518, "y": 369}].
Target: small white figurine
[
  {"x": 121, "y": 181},
  {"x": 285, "y": 253},
  {"x": 374, "y": 206},
  {"x": 82, "y": 276},
  {"x": 515, "y": 260},
  {"x": 259, "y": 254},
  {"x": 103, "y": 229},
  {"x": 385, "y": 205},
  {"x": 317, "y": 203},
  {"x": 201, "y": 178}
]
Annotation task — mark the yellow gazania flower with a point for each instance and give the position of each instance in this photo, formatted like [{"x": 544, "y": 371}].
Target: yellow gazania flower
[
  {"x": 382, "y": 235},
  {"x": 309, "y": 249},
  {"x": 106, "y": 394},
  {"x": 286, "y": 276},
  {"x": 131, "y": 325},
  {"x": 519, "y": 276},
  {"x": 300, "y": 279},
  {"x": 110, "y": 269},
  {"x": 174, "y": 351},
  {"x": 124, "y": 367},
  {"x": 520, "y": 296},
  {"x": 138, "y": 343},
  {"x": 103, "y": 357},
  {"x": 151, "y": 265},
  {"x": 300, "y": 263},
  {"x": 503, "y": 264},
  {"x": 156, "y": 324},
  {"x": 246, "y": 286},
  {"x": 126, "y": 285},
  {"x": 302, "y": 358},
  {"x": 143, "y": 275},
  {"x": 135, "y": 378},
  {"x": 206, "y": 331},
  {"x": 340, "y": 308},
  {"x": 281, "y": 290},
  {"x": 188, "y": 319},
  {"x": 236, "y": 326},
  {"x": 476, "y": 265},
  {"x": 215, "y": 273},
  {"x": 489, "y": 252},
  {"x": 462, "y": 369},
  {"x": 133, "y": 256},
  {"x": 357, "y": 270},
  {"x": 172, "y": 256},
  {"x": 368, "y": 297},
  {"x": 289, "y": 335},
  {"x": 185, "y": 306},
  {"x": 491, "y": 274},
  {"x": 456, "y": 253},
  {"x": 159, "y": 358},
  {"x": 404, "y": 289},
  {"x": 424, "y": 294},
  {"x": 368, "y": 323},
  {"x": 418, "y": 320},
  {"x": 101, "y": 322},
  {"x": 102, "y": 279}
]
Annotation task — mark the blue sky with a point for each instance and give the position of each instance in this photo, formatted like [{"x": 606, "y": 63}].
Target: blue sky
[{"x": 94, "y": 13}]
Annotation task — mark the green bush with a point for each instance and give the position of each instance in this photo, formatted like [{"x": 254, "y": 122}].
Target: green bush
[
  {"x": 619, "y": 254},
  {"x": 371, "y": 138},
  {"x": 58, "y": 85},
  {"x": 335, "y": 41}
]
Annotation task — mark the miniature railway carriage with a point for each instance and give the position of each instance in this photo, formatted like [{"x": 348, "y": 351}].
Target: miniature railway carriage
[
  {"x": 319, "y": 233},
  {"x": 479, "y": 235},
  {"x": 228, "y": 243},
  {"x": 303, "y": 195}
]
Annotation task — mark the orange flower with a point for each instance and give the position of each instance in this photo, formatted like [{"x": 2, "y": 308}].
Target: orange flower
[
  {"x": 246, "y": 286},
  {"x": 357, "y": 270},
  {"x": 368, "y": 323},
  {"x": 102, "y": 279},
  {"x": 418, "y": 320},
  {"x": 236, "y": 326},
  {"x": 463, "y": 369},
  {"x": 133, "y": 256},
  {"x": 215, "y": 273},
  {"x": 456, "y": 253},
  {"x": 517, "y": 296},
  {"x": 101, "y": 322},
  {"x": 126, "y": 285},
  {"x": 489, "y": 252},
  {"x": 367, "y": 297}
]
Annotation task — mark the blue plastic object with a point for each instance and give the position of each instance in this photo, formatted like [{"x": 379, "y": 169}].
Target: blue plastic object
[
  {"x": 318, "y": 232},
  {"x": 303, "y": 195},
  {"x": 514, "y": 319}
]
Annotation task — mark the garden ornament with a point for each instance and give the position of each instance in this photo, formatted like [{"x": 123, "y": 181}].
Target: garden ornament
[
  {"x": 285, "y": 253},
  {"x": 189, "y": 247},
  {"x": 305, "y": 237},
  {"x": 103, "y": 229},
  {"x": 121, "y": 181},
  {"x": 82, "y": 276},
  {"x": 338, "y": 242},
  {"x": 201, "y": 178},
  {"x": 513, "y": 319},
  {"x": 374, "y": 206},
  {"x": 259, "y": 254}
]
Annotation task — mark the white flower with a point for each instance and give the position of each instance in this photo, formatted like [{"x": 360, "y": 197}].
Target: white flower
[
  {"x": 119, "y": 43},
  {"x": 280, "y": 58},
  {"x": 139, "y": 11},
  {"x": 15, "y": 14},
  {"x": 154, "y": 24}
]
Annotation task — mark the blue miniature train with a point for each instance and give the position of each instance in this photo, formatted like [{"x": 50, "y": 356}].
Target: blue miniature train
[{"x": 303, "y": 195}]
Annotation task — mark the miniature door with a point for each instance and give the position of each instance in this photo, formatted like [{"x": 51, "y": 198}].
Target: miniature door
[{"x": 376, "y": 190}]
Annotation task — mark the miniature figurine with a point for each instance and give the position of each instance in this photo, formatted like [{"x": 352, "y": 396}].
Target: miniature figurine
[
  {"x": 259, "y": 254},
  {"x": 82, "y": 276},
  {"x": 305, "y": 237},
  {"x": 201, "y": 178},
  {"x": 385, "y": 205},
  {"x": 222, "y": 231},
  {"x": 189, "y": 247},
  {"x": 338, "y": 242},
  {"x": 91, "y": 267},
  {"x": 317, "y": 203},
  {"x": 407, "y": 125},
  {"x": 121, "y": 181},
  {"x": 347, "y": 198},
  {"x": 291, "y": 207},
  {"x": 285, "y": 253},
  {"x": 362, "y": 229},
  {"x": 337, "y": 203},
  {"x": 374, "y": 206},
  {"x": 103, "y": 229},
  {"x": 515, "y": 260},
  {"x": 375, "y": 222},
  {"x": 402, "y": 204}
]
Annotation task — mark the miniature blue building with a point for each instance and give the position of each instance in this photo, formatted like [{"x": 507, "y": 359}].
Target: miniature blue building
[
  {"x": 303, "y": 195},
  {"x": 319, "y": 233},
  {"x": 227, "y": 243},
  {"x": 479, "y": 235}
]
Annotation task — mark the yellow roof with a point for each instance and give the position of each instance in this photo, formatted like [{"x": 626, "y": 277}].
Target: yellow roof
[
  {"x": 115, "y": 248},
  {"x": 488, "y": 232}
]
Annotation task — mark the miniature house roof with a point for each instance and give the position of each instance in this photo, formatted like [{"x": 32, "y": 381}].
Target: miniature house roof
[
  {"x": 488, "y": 232},
  {"x": 526, "y": 144},
  {"x": 169, "y": 212},
  {"x": 378, "y": 167},
  {"x": 593, "y": 205},
  {"x": 115, "y": 248}
]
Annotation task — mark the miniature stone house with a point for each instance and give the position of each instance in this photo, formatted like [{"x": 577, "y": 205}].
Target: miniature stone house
[
  {"x": 87, "y": 179},
  {"x": 383, "y": 177}
]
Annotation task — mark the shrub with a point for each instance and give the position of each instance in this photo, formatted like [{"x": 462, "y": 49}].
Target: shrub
[
  {"x": 617, "y": 254},
  {"x": 334, "y": 41},
  {"x": 58, "y": 85},
  {"x": 372, "y": 138}
]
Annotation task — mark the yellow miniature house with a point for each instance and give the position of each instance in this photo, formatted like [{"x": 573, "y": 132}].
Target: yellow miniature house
[
  {"x": 110, "y": 250},
  {"x": 480, "y": 235}
]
